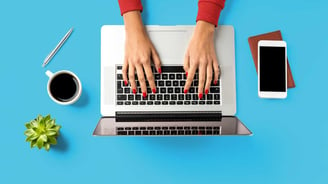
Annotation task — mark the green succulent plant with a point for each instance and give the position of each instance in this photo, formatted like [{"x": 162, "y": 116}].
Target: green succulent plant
[{"x": 42, "y": 132}]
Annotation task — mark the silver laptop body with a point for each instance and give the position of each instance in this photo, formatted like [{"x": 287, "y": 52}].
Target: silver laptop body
[{"x": 168, "y": 113}]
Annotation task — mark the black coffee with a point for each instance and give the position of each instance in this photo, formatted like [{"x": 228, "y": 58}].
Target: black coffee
[{"x": 64, "y": 87}]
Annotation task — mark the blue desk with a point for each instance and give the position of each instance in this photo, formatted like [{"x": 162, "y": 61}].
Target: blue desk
[{"x": 290, "y": 142}]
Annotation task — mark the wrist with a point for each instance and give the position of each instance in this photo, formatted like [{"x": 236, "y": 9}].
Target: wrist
[
  {"x": 203, "y": 26},
  {"x": 133, "y": 22}
]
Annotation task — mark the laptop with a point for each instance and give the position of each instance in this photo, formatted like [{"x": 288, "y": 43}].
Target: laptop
[{"x": 169, "y": 112}]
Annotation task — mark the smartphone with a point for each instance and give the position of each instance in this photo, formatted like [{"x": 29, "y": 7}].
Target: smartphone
[{"x": 272, "y": 69}]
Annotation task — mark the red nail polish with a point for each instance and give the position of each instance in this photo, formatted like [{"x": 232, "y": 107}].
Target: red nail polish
[
  {"x": 215, "y": 82},
  {"x": 185, "y": 91},
  {"x": 125, "y": 83},
  {"x": 154, "y": 90},
  {"x": 200, "y": 95},
  {"x": 206, "y": 91},
  {"x": 186, "y": 74},
  {"x": 144, "y": 94},
  {"x": 134, "y": 91},
  {"x": 159, "y": 70}
]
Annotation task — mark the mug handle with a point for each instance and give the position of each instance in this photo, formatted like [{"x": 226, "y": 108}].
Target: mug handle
[{"x": 49, "y": 73}]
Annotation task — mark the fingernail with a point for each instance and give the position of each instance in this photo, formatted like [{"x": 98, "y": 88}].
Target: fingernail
[
  {"x": 144, "y": 94},
  {"x": 186, "y": 74},
  {"x": 185, "y": 91},
  {"x": 215, "y": 82},
  {"x": 125, "y": 83},
  {"x": 134, "y": 91},
  {"x": 200, "y": 95},
  {"x": 206, "y": 91},
  {"x": 154, "y": 90},
  {"x": 159, "y": 70}
]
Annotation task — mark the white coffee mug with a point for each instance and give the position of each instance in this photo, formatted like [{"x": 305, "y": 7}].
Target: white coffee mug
[{"x": 64, "y": 87}]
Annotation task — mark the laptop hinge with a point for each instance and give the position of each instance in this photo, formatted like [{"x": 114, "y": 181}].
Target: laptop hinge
[{"x": 167, "y": 116}]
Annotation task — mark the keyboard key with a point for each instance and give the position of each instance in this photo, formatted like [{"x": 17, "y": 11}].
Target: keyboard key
[
  {"x": 172, "y": 102},
  {"x": 209, "y": 102},
  {"x": 138, "y": 132},
  {"x": 152, "y": 132},
  {"x": 138, "y": 97},
  {"x": 194, "y": 102},
  {"x": 157, "y": 128},
  {"x": 127, "y": 90},
  {"x": 173, "y": 97},
  {"x": 188, "y": 96},
  {"x": 149, "y": 91},
  {"x": 119, "y": 90},
  {"x": 215, "y": 90},
  {"x": 130, "y": 97},
  {"x": 157, "y": 103},
  {"x": 157, "y": 76},
  {"x": 142, "y": 103},
  {"x": 173, "y": 132},
  {"x": 201, "y": 102},
  {"x": 209, "y": 97},
  {"x": 121, "y": 97},
  {"x": 187, "y": 102},
  {"x": 181, "y": 97},
  {"x": 172, "y": 69},
  {"x": 152, "y": 97},
  {"x": 170, "y": 90},
  {"x": 119, "y": 103},
  {"x": 159, "y": 132},
  {"x": 164, "y": 76},
  {"x": 195, "y": 83},
  {"x": 131, "y": 133},
  {"x": 171, "y": 76},
  {"x": 180, "y": 102},
  {"x": 150, "y": 103},
  {"x": 127, "y": 103},
  {"x": 163, "y": 90},
  {"x": 119, "y": 84},
  {"x": 177, "y": 90},
  {"x": 165, "y": 128},
  {"x": 119, "y": 67},
  {"x": 179, "y": 76},
  {"x": 168, "y": 83},
  {"x": 122, "y": 132},
  {"x": 195, "y": 97},
  {"x": 216, "y": 132},
  {"x": 217, "y": 102},
  {"x": 166, "y": 97},
  {"x": 165, "y": 102},
  {"x": 135, "y": 128},
  {"x": 119, "y": 77},
  {"x": 182, "y": 83},
  {"x": 188, "y": 132},
  {"x": 160, "y": 83},
  {"x": 134, "y": 103},
  {"x": 166, "y": 132},
  {"x": 175, "y": 83},
  {"x": 216, "y": 96},
  {"x": 159, "y": 97},
  {"x": 194, "y": 132},
  {"x": 180, "y": 132},
  {"x": 191, "y": 90},
  {"x": 145, "y": 132}
]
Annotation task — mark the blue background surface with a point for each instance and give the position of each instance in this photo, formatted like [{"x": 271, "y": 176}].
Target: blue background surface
[{"x": 290, "y": 136}]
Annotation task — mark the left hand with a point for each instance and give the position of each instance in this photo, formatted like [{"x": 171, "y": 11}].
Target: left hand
[{"x": 201, "y": 55}]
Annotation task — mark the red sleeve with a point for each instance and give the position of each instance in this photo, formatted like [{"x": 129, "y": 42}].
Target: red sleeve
[
  {"x": 129, "y": 5},
  {"x": 209, "y": 10}
]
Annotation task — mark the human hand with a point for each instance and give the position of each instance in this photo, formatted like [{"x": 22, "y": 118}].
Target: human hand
[
  {"x": 138, "y": 53},
  {"x": 201, "y": 55}
]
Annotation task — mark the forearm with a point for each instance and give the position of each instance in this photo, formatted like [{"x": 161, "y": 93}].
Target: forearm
[{"x": 133, "y": 22}]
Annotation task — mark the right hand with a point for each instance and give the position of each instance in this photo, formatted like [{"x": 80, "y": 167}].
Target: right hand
[{"x": 139, "y": 52}]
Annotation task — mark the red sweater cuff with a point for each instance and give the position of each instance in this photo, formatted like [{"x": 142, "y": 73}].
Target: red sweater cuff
[
  {"x": 129, "y": 5},
  {"x": 209, "y": 10}
]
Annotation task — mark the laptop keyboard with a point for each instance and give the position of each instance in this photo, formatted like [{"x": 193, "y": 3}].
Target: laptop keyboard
[
  {"x": 158, "y": 131},
  {"x": 170, "y": 90}
]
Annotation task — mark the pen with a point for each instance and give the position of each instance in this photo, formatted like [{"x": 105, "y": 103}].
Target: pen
[{"x": 59, "y": 45}]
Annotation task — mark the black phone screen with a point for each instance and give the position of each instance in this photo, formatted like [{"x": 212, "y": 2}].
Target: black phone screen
[{"x": 272, "y": 69}]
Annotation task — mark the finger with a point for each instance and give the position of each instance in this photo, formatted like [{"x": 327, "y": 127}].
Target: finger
[
  {"x": 201, "y": 79},
  {"x": 156, "y": 61},
  {"x": 186, "y": 63},
  {"x": 150, "y": 77},
  {"x": 209, "y": 77},
  {"x": 190, "y": 77},
  {"x": 216, "y": 69},
  {"x": 142, "y": 80},
  {"x": 125, "y": 71},
  {"x": 132, "y": 79}
]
